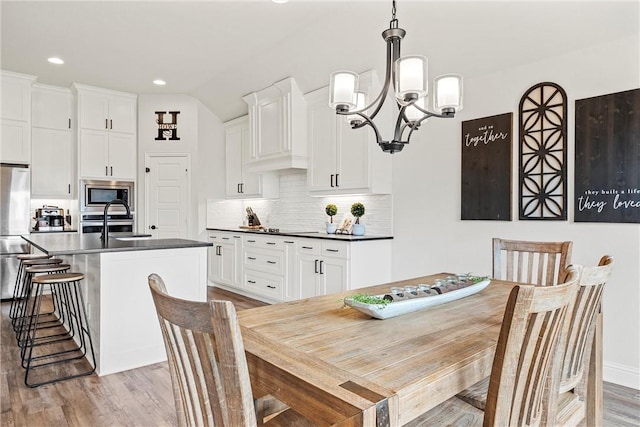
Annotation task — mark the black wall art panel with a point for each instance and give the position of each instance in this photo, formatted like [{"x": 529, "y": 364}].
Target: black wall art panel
[
  {"x": 543, "y": 153},
  {"x": 607, "y": 176},
  {"x": 486, "y": 168}
]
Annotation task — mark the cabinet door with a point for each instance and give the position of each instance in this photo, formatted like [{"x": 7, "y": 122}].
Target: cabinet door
[
  {"x": 122, "y": 156},
  {"x": 353, "y": 148},
  {"x": 16, "y": 142},
  {"x": 227, "y": 263},
  {"x": 94, "y": 111},
  {"x": 16, "y": 98},
  {"x": 94, "y": 149},
  {"x": 233, "y": 163},
  {"x": 307, "y": 275},
  {"x": 51, "y": 108},
  {"x": 334, "y": 273},
  {"x": 321, "y": 132},
  {"x": 213, "y": 262},
  {"x": 269, "y": 127},
  {"x": 251, "y": 182},
  {"x": 122, "y": 115},
  {"x": 52, "y": 163}
]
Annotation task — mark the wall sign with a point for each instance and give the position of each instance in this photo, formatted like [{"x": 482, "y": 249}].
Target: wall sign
[
  {"x": 167, "y": 130},
  {"x": 543, "y": 153},
  {"x": 486, "y": 168},
  {"x": 607, "y": 176}
]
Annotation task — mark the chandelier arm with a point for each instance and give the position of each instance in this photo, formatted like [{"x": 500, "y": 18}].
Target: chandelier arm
[
  {"x": 397, "y": 134},
  {"x": 367, "y": 121},
  {"x": 428, "y": 113}
]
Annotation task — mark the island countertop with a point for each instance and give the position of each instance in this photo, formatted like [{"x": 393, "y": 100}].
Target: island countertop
[{"x": 75, "y": 244}]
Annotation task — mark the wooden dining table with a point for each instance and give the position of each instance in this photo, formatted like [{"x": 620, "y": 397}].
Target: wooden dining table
[{"x": 340, "y": 367}]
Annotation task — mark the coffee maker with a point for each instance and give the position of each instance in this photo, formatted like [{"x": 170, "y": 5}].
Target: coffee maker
[{"x": 49, "y": 218}]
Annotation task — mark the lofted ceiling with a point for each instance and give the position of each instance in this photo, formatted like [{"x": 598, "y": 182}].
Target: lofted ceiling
[{"x": 218, "y": 51}]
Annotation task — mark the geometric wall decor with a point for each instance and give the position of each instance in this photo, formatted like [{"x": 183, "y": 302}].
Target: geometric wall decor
[
  {"x": 607, "y": 167},
  {"x": 543, "y": 153},
  {"x": 486, "y": 168}
]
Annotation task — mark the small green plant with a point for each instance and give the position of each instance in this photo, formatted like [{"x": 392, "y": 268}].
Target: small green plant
[
  {"x": 357, "y": 210},
  {"x": 331, "y": 210},
  {"x": 370, "y": 299},
  {"x": 478, "y": 279}
]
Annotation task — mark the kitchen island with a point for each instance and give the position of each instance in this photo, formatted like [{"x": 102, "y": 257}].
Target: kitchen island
[{"x": 121, "y": 315}]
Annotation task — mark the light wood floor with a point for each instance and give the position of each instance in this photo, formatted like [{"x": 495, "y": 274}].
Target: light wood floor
[{"x": 143, "y": 397}]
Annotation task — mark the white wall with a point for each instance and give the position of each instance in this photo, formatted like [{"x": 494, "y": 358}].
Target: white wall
[{"x": 430, "y": 237}]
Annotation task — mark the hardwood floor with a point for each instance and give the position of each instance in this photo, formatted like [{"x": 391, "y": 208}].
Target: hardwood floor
[{"x": 143, "y": 397}]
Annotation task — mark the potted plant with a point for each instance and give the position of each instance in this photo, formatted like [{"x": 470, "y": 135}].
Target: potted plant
[
  {"x": 331, "y": 210},
  {"x": 357, "y": 210}
]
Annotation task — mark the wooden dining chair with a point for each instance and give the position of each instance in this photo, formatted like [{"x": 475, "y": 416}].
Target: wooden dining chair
[
  {"x": 208, "y": 366},
  {"x": 527, "y": 356},
  {"x": 538, "y": 263}
]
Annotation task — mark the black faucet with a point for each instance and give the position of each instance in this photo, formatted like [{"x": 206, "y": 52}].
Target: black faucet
[{"x": 105, "y": 231}]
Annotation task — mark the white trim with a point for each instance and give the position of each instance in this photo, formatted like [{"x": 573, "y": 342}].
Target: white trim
[{"x": 627, "y": 376}]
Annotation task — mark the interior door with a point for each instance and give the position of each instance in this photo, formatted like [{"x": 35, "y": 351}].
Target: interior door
[{"x": 167, "y": 196}]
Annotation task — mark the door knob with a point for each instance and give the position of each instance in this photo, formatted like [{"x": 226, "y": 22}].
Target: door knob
[{"x": 153, "y": 227}]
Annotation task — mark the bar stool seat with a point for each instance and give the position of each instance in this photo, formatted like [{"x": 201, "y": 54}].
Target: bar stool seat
[{"x": 57, "y": 360}]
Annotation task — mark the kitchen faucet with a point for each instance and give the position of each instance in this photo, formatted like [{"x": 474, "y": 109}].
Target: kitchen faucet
[{"x": 105, "y": 231}]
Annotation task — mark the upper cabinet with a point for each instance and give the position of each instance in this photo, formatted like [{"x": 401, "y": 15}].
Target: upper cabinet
[
  {"x": 107, "y": 123},
  {"x": 15, "y": 116},
  {"x": 240, "y": 183},
  {"x": 52, "y": 148},
  {"x": 277, "y": 128},
  {"x": 344, "y": 160}
]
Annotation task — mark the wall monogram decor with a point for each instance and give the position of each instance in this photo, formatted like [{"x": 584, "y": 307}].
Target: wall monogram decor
[
  {"x": 543, "y": 153},
  {"x": 167, "y": 130},
  {"x": 607, "y": 176},
  {"x": 486, "y": 168}
]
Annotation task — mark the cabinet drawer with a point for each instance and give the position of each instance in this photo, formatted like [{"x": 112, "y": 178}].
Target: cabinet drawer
[
  {"x": 266, "y": 242},
  {"x": 264, "y": 260},
  {"x": 335, "y": 249},
  {"x": 265, "y": 284},
  {"x": 308, "y": 246}
]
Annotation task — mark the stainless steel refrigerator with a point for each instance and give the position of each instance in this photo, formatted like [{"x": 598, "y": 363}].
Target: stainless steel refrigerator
[{"x": 15, "y": 200}]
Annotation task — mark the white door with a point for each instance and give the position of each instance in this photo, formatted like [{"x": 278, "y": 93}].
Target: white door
[{"x": 167, "y": 196}]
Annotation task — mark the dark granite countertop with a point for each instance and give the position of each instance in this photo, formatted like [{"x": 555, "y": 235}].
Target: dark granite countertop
[
  {"x": 75, "y": 244},
  {"x": 308, "y": 234},
  {"x": 65, "y": 230}
]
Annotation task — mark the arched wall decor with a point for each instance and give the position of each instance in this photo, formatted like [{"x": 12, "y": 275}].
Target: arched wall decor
[{"x": 543, "y": 153}]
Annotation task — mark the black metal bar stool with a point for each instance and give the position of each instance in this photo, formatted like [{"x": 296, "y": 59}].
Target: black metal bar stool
[
  {"x": 59, "y": 360},
  {"x": 19, "y": 279},
  {"x": 22, "y": 294}
]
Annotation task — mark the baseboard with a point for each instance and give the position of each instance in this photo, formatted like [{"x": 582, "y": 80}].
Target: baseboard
[{"x": 627, "y": 376}]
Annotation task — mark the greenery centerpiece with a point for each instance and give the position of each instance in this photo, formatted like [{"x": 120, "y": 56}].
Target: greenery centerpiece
[
  {"x": 331, "y": 210},
  {"x": 357, "y": 210}
]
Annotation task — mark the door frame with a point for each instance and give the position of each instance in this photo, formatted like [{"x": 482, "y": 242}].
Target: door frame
[{"x": 147, "y": 159}]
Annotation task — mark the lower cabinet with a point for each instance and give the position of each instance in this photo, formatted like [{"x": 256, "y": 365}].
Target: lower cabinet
[{"x": 275, "y": 268}]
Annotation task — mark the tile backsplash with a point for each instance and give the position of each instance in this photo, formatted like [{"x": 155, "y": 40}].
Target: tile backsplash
[{"x": 296, "y": 210}]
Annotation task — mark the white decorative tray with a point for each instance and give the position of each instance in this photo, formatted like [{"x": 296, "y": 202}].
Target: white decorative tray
[{"x": 396, "y": 308}]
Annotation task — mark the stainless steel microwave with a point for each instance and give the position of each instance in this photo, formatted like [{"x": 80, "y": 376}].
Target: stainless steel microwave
[{"x": 96, "y": 194}]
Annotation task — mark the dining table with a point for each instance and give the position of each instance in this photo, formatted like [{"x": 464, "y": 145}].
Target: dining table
[{"x": 340, "y": 367}]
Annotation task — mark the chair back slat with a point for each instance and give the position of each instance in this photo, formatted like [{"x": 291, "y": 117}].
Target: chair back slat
[
  {"x": 527, "y": 353},
  {"x": 582, "y": 322},
  {"x": 205, "y": 354},
  {"x": 538, "y": 263}
]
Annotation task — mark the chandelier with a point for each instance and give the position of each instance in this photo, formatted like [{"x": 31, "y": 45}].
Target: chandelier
[{"x": 410, "y": 85}]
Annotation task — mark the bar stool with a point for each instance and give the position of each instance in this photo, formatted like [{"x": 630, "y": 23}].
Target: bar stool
[
  {"x": 23, "y": 290},
  {"x": 18, "y": 286},
  {"x": 65, "y": 357}
]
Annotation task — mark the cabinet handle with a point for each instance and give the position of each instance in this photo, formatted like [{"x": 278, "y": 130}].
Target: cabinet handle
[
  {"x": 337, "y": 175},
  {"x": 106, "y": 123},
  {"x": 332, "y": 181},
  {"x": 251, "y": 258},
  {"x": 106, "y": 171},
  {"x": 332, "y": 250},
  {"x": 110, "y": 124},
  {"x": 321, "y": 264},
  {"x": 251, "y": 241},
  {"x": 271, "y": 287},
  {"x": 69, "y": 188},
  {"x": 111, "y": 170},
  {"x": 225, "y": 238},
  {"x": 238, "y": 188},
  {"x": 316, "y": 269},
  {"x": 219, "y": 251},
  {"x": 271, "y": 243},
  {"x": 306, "y": 247},
  {"x": 289, "y": 241},
  {"x": 242, "y": 187},
  {"x": 271, "y": 262},
  {"x": 69, "y": 123},
  {"x": 236, "y": 237},
  {"x": 251, "y": 281}
]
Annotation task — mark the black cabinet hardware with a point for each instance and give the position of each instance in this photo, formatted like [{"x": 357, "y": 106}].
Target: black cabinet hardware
[
  {"x": 271, "y": 287},
  {"x": 316, "y": 269},
  {"x": 271, "y": 243},
  {"x": 251, "y": 258},
  {"x": 337, "y": 184},
  {"x": 321, "y": 264},
  {"x": 271, "y": 262},
  {"x": 251, "y": 281},
  {"x": 332, "y": 250},
  {"x": 307, "y": 247}
]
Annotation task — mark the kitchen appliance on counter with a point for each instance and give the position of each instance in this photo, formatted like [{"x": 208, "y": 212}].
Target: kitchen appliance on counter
[
  {"x": 94, "y": 197},
  {"x": 49, "y": 218},
  {"x": 15, "y": 200}
]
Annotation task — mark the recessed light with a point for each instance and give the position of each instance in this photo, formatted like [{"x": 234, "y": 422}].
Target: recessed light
[
  {"x": 280, "y": 1},
  {"x": 159, "y": 82},
  {"x": 55, "y": 60}
]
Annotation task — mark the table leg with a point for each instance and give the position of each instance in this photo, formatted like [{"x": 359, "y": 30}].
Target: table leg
[{"x": 594, "y": 384}]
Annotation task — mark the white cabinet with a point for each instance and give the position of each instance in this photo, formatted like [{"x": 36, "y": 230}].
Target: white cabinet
[
  {"x": 277, "y": 128},
  {"x": 52, "y": 145},
  {"x": 264, "y": 266},
  {"x": 344, "y": 160},
  {"x": 323, "y": 268},
  {"x": 223, "y": 259},
  {"x": 15, "y": 117},
  {"x": 240, "y": 183},
  {"x": 107, "y": 133}
]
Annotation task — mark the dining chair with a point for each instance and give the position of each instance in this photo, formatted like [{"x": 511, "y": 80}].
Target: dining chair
[
  {"x": 527, "y": 356},
  {"x": 537, "y": 263},
  {"x": 575, "y": 347},
  {"x": 209, "y": 373}
]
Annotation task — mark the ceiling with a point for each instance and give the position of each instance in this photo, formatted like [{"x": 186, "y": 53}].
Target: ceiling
[{"x": 218, "y": 51}]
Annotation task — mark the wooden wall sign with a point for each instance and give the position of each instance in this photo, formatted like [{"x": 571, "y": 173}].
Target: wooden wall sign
[
  {"x": 543, "y": 153},
  {"x": 607, "y": 175},
  {"x": 486, "y": 168}
]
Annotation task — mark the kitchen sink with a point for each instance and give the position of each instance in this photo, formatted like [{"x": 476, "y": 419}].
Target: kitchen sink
[{"x": 129, "y": 236}]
